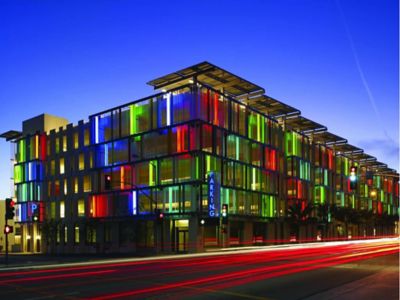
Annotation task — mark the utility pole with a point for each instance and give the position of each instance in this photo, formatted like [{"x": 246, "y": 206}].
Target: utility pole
[
  {"x": 6, "y": 233},
  {"x": 8, "y": 229}
]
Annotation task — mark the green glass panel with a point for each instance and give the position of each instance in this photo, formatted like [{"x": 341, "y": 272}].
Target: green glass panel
[
  {"x": 22, "y": 150},
  {"x": 18, "y": 175},
  {"x": 132, "y": 119}
]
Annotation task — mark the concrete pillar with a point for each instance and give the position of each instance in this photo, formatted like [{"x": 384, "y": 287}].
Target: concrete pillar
[
  {"x": 166, "y": 231},
  {"x": 270, "y": 234},
  {"x": 247, "y": 239},
  {"x": 100, "y": 237},
  {"x": 196, "y": 239},
  {"x": 158, "y": 236},
  {"x": 114, "y": 237}
]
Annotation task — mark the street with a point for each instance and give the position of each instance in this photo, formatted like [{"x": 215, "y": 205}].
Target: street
[{"x": 345, "y": 270}]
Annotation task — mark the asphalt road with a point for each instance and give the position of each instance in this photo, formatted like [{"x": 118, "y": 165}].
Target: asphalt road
[{"x": 359, "y": 270}]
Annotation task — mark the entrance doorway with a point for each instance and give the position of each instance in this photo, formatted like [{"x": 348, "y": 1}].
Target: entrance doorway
[
  {"x": 181, "y": 235},
  {"x": 182, "y": 240}
]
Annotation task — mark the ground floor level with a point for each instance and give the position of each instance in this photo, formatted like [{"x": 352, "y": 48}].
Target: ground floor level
[{"x": 182, "y": 235}]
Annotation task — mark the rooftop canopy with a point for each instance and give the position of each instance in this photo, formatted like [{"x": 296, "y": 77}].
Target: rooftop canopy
[
  {"x": 347, "y": 149},
  {"x": 270, "y": 106},
  {"x": 362, "y": 157},
  {"x": 327, "y": 138},
  {"x": 302, "y": 124},
  {"x": 11, "y": 135},
  {"x": 210, "y": 75}
]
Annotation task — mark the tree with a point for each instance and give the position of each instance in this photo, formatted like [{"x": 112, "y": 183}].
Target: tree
[
  {"x": 297, "y": 215},
  {"x": 324, "y": 213},
  {"x": 346, "y": 215}
]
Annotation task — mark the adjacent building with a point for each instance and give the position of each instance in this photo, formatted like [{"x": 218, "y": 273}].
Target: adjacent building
[{"x": 156, "y": 173}]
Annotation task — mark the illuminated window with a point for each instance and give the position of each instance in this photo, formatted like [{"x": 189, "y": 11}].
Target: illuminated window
[
  {"x": 57, "y": 145},
  {"x": 58, "y": 234},
  {"x": 57, "y": 188},
  {"x": 81, "y": 208},
  {"x": 62, "y": 209},
  {"x": 76, "y": 140},
  {"x": 76, "y": 233},
  {"x": 52, "y": 210},
  {"x": 87, "y": 183},
  {"x": 183, "y": 167},
  {"x": 91, "y": 160},
  {"x": 86, "y": 137},
  {"x": 62, "y": 166},
  {"x": 81, "y": 162},
  {"x": 166, "y": 170},
  {"x": 120, "y": 151},
  {"x": 125, "y": 121},
  {"x": 65, "y": 234},
  {"x": 18, "y": 174},
  {"x": 76, "y": 187},
  {"x": 65, "y": 147},
  {"x": 65, "y": 187}
]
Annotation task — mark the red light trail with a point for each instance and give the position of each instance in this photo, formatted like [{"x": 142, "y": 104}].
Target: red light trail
[{"x": 196, "y": 274}]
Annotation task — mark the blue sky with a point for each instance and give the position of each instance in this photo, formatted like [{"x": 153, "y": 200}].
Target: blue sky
[{"x": 337, "y": 61}]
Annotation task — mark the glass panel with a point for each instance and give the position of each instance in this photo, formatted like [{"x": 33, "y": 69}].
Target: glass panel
[
  {"x": 166, "y": 171},
  {"x": 184, "y": 168},
  {"x": 140, "y": 117},
  {"x": 81, "y": 208},
  {"x": 104, "y": 128},
  {"x": 181, "y": 106},
  {"x": 87, "y": 183},
  {"x": 154, "y": 144},
  {"x": 121, "y": 152},
  {"x": 207, "y": 138}
]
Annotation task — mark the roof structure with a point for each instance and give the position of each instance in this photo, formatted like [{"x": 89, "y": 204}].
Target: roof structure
[
  {"x": 210, "y": 75},
  {"x": 271, "y": 106},
  {"x": 347, "y": 149},
  {"x": 11, "y": 135},
  {"x": 303, "y": 125},
  {"x": 327, "y": 138},
  {"x": 253, "y": 95},
  {"x": 362, "y": 157}
]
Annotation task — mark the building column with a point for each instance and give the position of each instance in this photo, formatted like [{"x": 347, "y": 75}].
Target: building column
[
  {"x": 114, "y": 237},
  {"x": 247, "y": 239},
  {"x": 270, "y": 234},
  {"x": 196, "y": 239},
  {"x": 166, "y": 232},
  {"x": 158, "y": 236}
]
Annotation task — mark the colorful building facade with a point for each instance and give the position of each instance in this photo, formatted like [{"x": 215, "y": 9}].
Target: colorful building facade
[{"x": 155, "y": 173}]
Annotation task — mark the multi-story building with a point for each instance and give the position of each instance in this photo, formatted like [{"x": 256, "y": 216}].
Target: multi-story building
[{"x": 157, "y": 172}]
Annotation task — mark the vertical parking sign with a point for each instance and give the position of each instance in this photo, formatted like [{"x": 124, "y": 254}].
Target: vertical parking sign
[{"x": 214, "y": 186}]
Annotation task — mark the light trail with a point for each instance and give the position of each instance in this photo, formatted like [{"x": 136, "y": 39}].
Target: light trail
[{"x": 258, "y": 274}]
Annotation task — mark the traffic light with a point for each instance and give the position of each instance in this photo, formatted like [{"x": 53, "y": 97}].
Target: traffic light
[
  {"x": 224, "y": 213},
  {"x": 353, "y": 178},
  {"x": 159, "y": 215},
  {"x": 8, "y": 229},
  {"x": 10, "y": 209},
  {"x": 107, "y": 182},
  {"x": 35, "y": 215}
]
